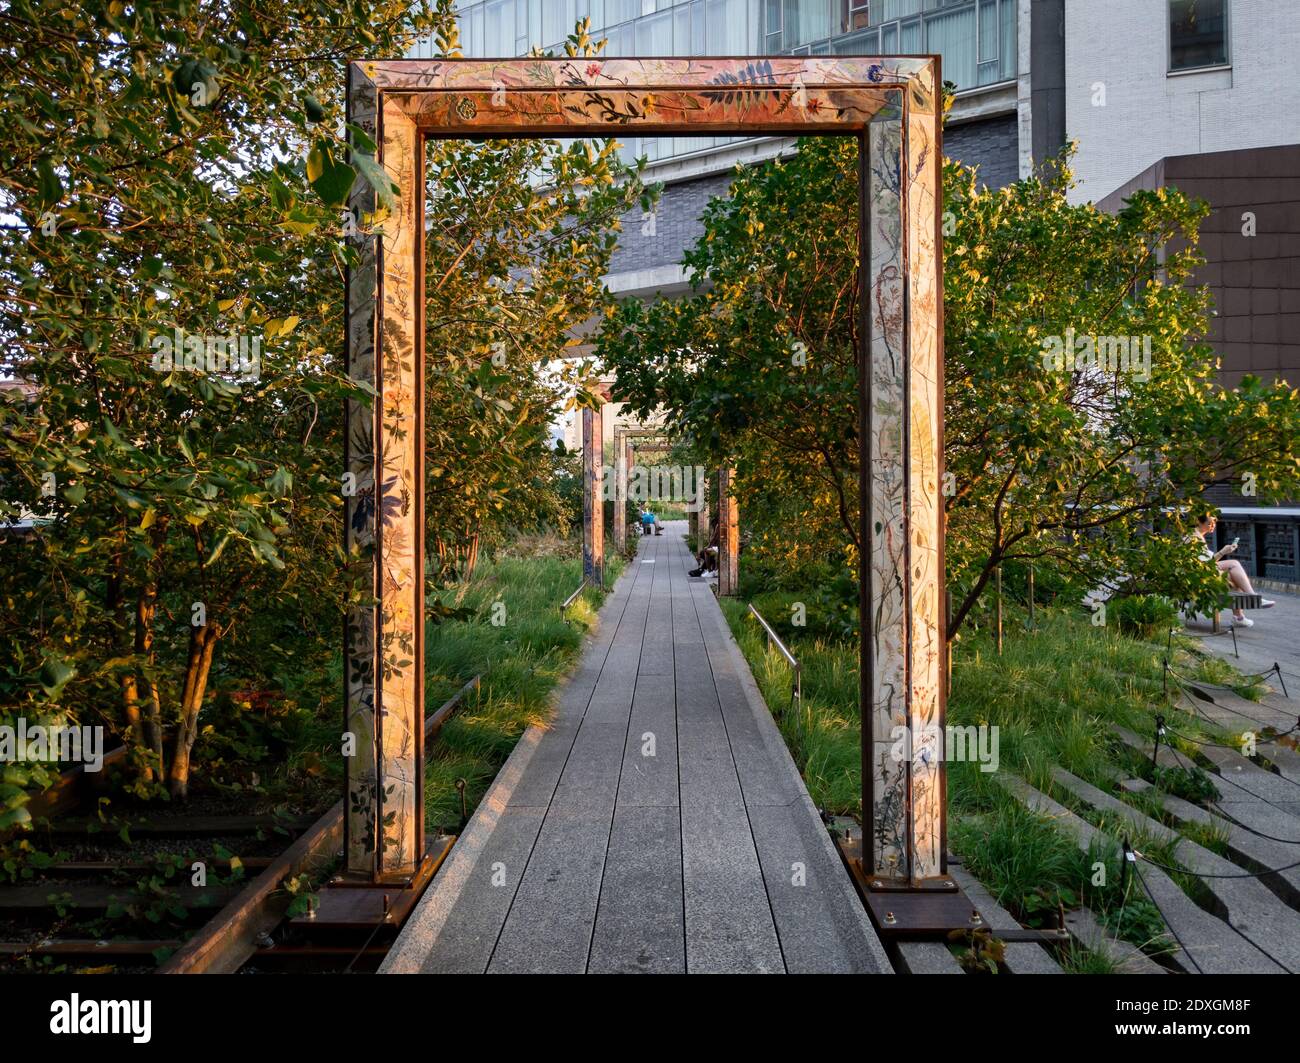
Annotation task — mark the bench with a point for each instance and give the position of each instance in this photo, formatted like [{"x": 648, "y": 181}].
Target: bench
[{"x": 1239, "y": 601}]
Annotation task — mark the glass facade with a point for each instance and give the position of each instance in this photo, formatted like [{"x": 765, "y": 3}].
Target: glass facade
[{"x": 976, "y": 38}]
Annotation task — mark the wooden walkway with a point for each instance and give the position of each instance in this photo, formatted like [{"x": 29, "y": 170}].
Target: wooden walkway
[{"x": 658, "y": 824}]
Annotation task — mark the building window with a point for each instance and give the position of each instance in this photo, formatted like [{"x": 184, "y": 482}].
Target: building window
[{"x": 1198, "y": 34}]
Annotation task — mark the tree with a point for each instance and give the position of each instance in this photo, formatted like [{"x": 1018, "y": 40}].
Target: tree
[
  {"x": 1092, "y": 469},
  {"x": 177, "y": 178},
  {"x": 516, "y": 266}
]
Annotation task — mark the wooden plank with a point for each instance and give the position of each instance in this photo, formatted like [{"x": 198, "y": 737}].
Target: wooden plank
[
  {"x": 101, "y": 867},
  {"x": 86, "y": 948},
  {"x": 434, "y": 723},
  {"x": 95, "y": 897},
  {"x": 70, "y": 788},
  {"x": 181, "y": 826}
]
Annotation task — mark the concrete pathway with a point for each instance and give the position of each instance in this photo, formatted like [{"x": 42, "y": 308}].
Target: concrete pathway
[
  {"x": 1274, "y": 638},
  {"x": 657, "y": 825}
]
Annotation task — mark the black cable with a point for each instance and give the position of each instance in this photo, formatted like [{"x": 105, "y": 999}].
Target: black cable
[
  {"x": 1225, "y": 686},
  {"x": 1201, "y": 741},
  {"x": 1183, "y": 683},
  {"x": 1137, "y": 870},
  {"x": 1216, "y": 807},
  {"x": 1236, "y": 712},
  {"x": 1208, "y": 874}
]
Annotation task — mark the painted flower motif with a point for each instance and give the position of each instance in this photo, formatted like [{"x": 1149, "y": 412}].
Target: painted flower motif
[
  {"x": 648, "y": 104},
  {"x": 593, "y": 70},
  {"x": 814, "y": 104},
  {"x": 466, "y": 108}
]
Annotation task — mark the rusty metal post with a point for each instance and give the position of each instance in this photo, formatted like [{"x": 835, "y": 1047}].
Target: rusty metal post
[
  {"x": 704, "y": 519},
  {"x": 728, "y": 537},
  {"x": 593, "y": 508},
  {"x": 620, "y": 492}
]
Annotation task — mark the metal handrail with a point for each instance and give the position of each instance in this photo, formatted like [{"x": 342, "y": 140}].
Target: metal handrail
[
  {"x": 573, "y": 597},
  {"x": 796, "y": 693}
]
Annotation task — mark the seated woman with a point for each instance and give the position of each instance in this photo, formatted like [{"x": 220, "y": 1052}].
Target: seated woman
[
  {"x": 1237, "y": 578},
  {"x": 707, "y": 558}
]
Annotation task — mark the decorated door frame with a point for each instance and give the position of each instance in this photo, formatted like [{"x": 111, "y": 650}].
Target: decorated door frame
[{"x": 892, "y": 106}]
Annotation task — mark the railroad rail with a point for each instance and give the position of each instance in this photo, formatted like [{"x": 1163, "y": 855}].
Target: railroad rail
[{"x": 223, "y": 924}]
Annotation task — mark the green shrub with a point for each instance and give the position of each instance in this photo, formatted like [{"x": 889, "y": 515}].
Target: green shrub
[{"x": 1144, "y": 616}]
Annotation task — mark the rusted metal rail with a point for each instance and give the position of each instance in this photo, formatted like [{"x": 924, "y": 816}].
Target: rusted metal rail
[
  {"x": 236, "y": 934},
  {"x": 243, "y": 918}
]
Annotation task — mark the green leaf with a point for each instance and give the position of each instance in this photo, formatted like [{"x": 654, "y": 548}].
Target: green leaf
[
  {"x": 316, "y": 161},
  {"x": 299, "y": 222},
  {"x": 377, "y": 177},
  {"x": 217, "y": 550},
  {"x": 56, "y": 673},
  {"x": 334, "y": 183},
  {"x": 48, "y": 186}
]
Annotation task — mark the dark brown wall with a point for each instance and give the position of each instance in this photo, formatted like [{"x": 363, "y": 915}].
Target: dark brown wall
[{"x": 1255, "y": 280}]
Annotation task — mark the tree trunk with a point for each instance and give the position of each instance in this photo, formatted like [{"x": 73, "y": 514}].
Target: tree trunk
[
  {"x": 145, "y": 604},
  {"x": 203, "y": 641},
  {"x": 116, "y": 602},
  {"x": 471, "y": 557}
]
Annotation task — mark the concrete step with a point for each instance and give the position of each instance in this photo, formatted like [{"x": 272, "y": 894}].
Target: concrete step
[
  {"x": 1249, "y": 849},
  {"x": 928, "y": 957},
  {"x": 1212, "y": 945},
  {"x": 1247, "y": 904},
  {"x": 1246, "y": 779},
  {"x": 1128, "y": 958}
]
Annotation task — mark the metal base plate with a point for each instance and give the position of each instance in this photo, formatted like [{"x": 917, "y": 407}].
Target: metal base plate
[
  {"x": 351, "y": 904},
  {"x": 920, "y": 913},
  {"x": 932, "y": 909}
]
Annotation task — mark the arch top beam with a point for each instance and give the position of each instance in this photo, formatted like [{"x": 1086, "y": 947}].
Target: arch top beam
[
  {"x": 892, "y": 105},
  {"x": 769, "y": 94}
]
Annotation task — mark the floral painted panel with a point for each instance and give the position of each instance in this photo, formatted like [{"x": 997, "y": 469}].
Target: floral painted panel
[
  {"x": 924, "y": 454},
  {"x": 887, "y": 625},
  {"x": 401, "y": 527},
  {"x": 707, "y": 95},
  {"x": 593, "y": 509},
  {"x": 360, "y": 663},
  {"x": 384, "y": 534}
]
